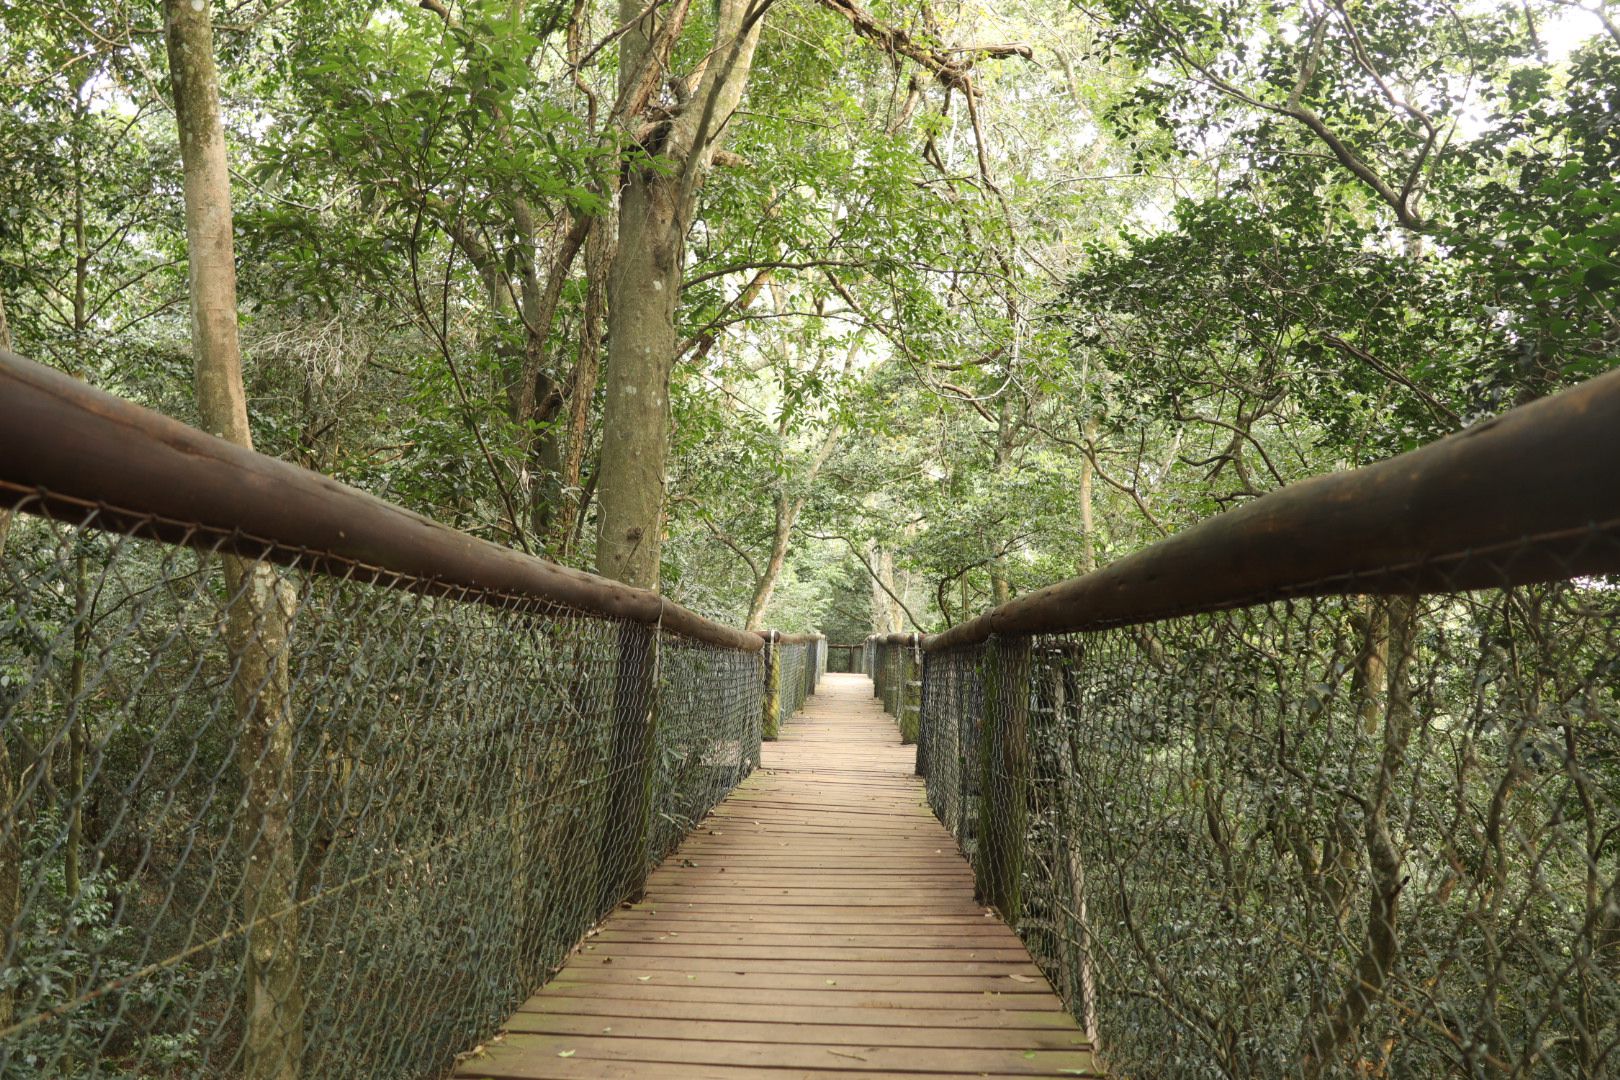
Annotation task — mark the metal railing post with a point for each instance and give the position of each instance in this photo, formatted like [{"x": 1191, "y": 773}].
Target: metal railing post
[
  {"x": 631, "y": 767},
  {"x": 908, "y": 694},
  {"x": 924, "y": 732},
  {"x": 771, "y": 723},
  {"x": 1003, "y": 775}
]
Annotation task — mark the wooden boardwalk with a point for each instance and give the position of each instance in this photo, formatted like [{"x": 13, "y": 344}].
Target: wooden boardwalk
[{"x": 820, "y": 924}]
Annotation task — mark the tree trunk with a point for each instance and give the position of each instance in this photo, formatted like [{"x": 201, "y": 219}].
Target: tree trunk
[
  {"x": 1088, "y": 479},
  {"x": 786, "y": 511},
  {"x": 1000, "y": 589},
  {"x": 587, "y": 373},
  {"x": 886, "y": 614},
  {"x": 644, "y": 287},
  {"x": 5, "y": 515},
  {"x": 1329, "y": 1032},
  {"x": 259, "y": 604},
  {"x": 10, "y": 841},
  {"x": 787, "y": 516}
]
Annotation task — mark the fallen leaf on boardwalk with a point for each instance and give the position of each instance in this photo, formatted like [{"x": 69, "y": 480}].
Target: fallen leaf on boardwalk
[
  {"x": 607, "y": 959},
  {"x": 1029, "y": 1055},
  {"x": 642, "y": 978},
  {"x": 565, "y": 1053},
  {"x": 1021, "y": 978}
]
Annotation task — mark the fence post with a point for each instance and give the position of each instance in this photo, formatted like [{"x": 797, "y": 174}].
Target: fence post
[
  {"x": 924, "y": 732},
  {"x": 908, "y": 693},
  {"x": 771, "y": 724},
  {"x": 630, "y": 768},
  {"x": 1003, "y": 775}
]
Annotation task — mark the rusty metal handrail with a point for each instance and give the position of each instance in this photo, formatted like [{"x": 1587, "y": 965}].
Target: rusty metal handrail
[
  {"x": 66, "y": 446},
  {"x": 1512, "y": 500}
]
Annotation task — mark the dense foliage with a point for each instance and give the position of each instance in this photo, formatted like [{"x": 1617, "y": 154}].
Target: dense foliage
[{"x": 946, "y": 333}]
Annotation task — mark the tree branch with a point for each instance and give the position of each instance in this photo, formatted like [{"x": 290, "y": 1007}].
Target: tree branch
[{"x": 880, "y": 582}]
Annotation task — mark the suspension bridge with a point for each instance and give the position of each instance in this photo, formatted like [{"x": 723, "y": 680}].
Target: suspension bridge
[{"x": 295, "y": 783}]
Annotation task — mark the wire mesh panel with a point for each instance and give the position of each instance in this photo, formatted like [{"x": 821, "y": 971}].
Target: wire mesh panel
[
  {"x": 708, "y": 733},
  {"x": 257, "y": 821},
  {"x": 795, "y": 685},
  {"x": 1350, "y": 836},
  {"x": 948, "y": 739}
]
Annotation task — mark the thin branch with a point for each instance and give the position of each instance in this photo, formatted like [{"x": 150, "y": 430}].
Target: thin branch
[
  {"x": 880, "y": 582},
  {"x": 1358, "y": 353}
]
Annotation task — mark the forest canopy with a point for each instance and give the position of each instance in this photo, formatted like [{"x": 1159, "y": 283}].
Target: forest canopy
[{"x": 828, "y": 315}]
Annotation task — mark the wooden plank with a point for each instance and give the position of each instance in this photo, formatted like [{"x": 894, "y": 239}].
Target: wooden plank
[
  {"x": 820, "y": 924},
  {"x": 871, "y": 1014},
  {"x": 898, "y": 936},
  {"x": 634, "y": 952},
  {"x": 506, "y": 1068},
  {"x": 826, "y": 979},
  {"x": 999, "y": 1061},
  {"x": 817, "y": 994},
  {"x": 736, "y": 1029}
]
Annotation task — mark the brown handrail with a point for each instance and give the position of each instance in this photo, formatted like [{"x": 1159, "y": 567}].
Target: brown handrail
[
  {"x": 1533, "y": 495},
  {"x": 66, "y": 446},
  {"x": 787, "y": 639},
  {"x": 896, "y": 639}
]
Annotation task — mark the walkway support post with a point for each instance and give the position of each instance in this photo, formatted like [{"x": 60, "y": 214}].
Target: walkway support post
[
  {"x": 1003, "y": 775},
  {"x": 909, "y": 693},
  {"x": 631, "y": 756},
  {"x": 923, "y": 737},
  {"x": 771, "y": 723}
]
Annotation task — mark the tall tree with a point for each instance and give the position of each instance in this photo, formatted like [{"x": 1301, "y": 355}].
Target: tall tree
[
  {"x": 259, "y": 604},
  {"x": 644, "y": 283}
]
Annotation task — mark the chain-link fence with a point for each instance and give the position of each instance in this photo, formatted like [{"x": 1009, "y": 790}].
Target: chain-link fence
[
  {"x": 1335, "y": 831},
  {"x": 1341, "y": 837},
  {"x": 897, "y": 679},
  {"x": 792, "y": 672},
  {"x": 267, "y": 822}
]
